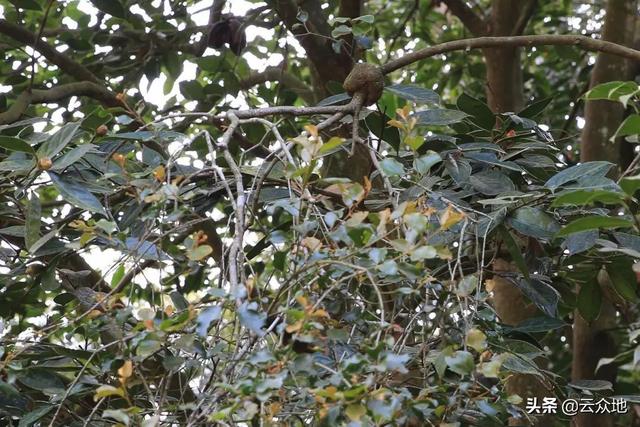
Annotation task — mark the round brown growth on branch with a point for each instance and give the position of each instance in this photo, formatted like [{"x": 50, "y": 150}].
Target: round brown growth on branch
[{"x": 366, "y": 79}]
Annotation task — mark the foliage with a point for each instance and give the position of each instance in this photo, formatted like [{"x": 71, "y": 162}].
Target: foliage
[{"x": 155, "y": 271}]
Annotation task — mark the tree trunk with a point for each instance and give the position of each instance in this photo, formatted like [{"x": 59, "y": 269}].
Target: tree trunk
[
  {"x": 591, "y": 342},
  {"x": 504, "y": 65}
]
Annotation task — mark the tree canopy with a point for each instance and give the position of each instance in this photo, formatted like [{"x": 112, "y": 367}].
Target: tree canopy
[{"x": 318, "y": 213}]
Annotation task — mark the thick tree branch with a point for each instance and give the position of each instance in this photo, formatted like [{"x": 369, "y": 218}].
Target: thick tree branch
[
  {"x": 467, "y": 16},
  {"x": 314, "y": 36},
  {"x": 288, "y": 80},
  {"x": 56, "y": 94},
  {"x": 586, "y": 43},
  {"x": 66, "y": 64},
  {"x": 350, "y": 8},
  {"x": 525, "y": 17}
]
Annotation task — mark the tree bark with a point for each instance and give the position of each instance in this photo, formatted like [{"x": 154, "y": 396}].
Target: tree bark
[
  {"x": 504, "y": 65},
  {"x": 592, "y": 341}
]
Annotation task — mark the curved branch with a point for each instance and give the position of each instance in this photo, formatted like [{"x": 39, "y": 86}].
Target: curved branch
[
  {"x": 525, "y": 17},
  {"x": 66, "y": 64},
  {"x": 467, "y": 16},
  {"x": 90, "y": 89},
  {"x": 583, "y": 42}
]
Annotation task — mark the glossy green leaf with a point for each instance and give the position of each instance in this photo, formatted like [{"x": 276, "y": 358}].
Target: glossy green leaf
[
  {"x": 33, "y": 221},
  {"x": 76, "y": 194},
  {"x": 58, "y": 141},
  {"x": 414, "y": 93},
  {"x": 439, "y": 117},
  {"x": 479, "y": 112},
  {"x": 589, "y": 300},
  {"x": 112, "y": 7},
  {"x": 15, "y": 144},
  {"x": 581, "y": 171},
  {"x": 592, "y": 223}
]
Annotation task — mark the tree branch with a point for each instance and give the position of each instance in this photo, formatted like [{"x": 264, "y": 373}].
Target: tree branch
[
  {"x": 467, "y": 16},
  {"x": 315, "y": 38},
  {"x": 55, "y": 94},
  {"x": 583, "y": 42},
  {"x": 525, "y": 17},
  {"x": 350, "y": 8},
  {"x": 66, "y": 64}
]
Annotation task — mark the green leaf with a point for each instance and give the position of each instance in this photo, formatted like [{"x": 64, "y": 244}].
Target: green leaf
[
  {"x": 413, "y": 93},
  {"x": 514, "y": 250},
  {"x": 630, "y": 126},
  {"x": 32, "y": 222},
  {"x": 32, "y": 417},
  {"x": 391, "y": 167},
  {"x": 587, "y": 197},
  {"x": 58, "y": 141},
  {"x": 369, "y": 19},
  {"x": 592, "y": 385},
  {"x": 334, "y": 99},
  {"x": 117, "y": 414},
  {"x": 532, "y": 110},
  {"x": 331, "y": 145},
  {"x": 534, "y": 222},
  {"x": 589, "y": 300},
  {"x": 538, "y": 324},
  {"x": 377, "y": 124},
  {"x": 439, "y": 117},
  {"x": 461, "y": 362},
  {"x": 492, "y": 182},
  {"x": 76, "y": 194},
  {"x": 252, "y": 318},
  {"x": 479, "y": 113},
  {"x": 543, "y": 295},
  {"x": 192, "y": 89},
  {"x": 206, "y": 316},
  {"x": 72, "y": 156},
  {"x": 49, "y": 281},
  {"x": 112, "y": 7},
  {"x": 15, "y": 144},
  {"x": 29, "y": 5},
  {"x": 424, "y": 163},
  {"x": 148, "y": 347},
  {"x": 340, "y": 30},
  {"x": 44, "y": 380},
  {"x": 574, "y": 173},
  {"x": 623, "y": 279},
  {"x": 630, "y": 184},
  {"x": 613, "y": 91},
  {"x": 592, "y": 223}
]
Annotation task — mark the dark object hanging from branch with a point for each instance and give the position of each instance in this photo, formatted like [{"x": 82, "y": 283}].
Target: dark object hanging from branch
[{"x": 228, "y": 30}]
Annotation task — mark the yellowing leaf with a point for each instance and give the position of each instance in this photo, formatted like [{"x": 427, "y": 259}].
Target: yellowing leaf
[
  {"x": 295, "y": 327},
  {"x": 159, "y": 173},
  {"x": 396, "y": 124},
  {"x": 355, "y": 411},
  {"x": 476, "y": 339},
  {"x": 414, "y": 142},
  {"x": 320, "y": 313},
  {"x": 106, "y": 391},
  {"x": 303, "y": 301},
  {"x": 312, "y": 130},
  {"x": 312, "y": 243},
  {"x": 125, "y": 371},
  {"x": 199, "y": 253},
  {"x": 450, "y": 217}
]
